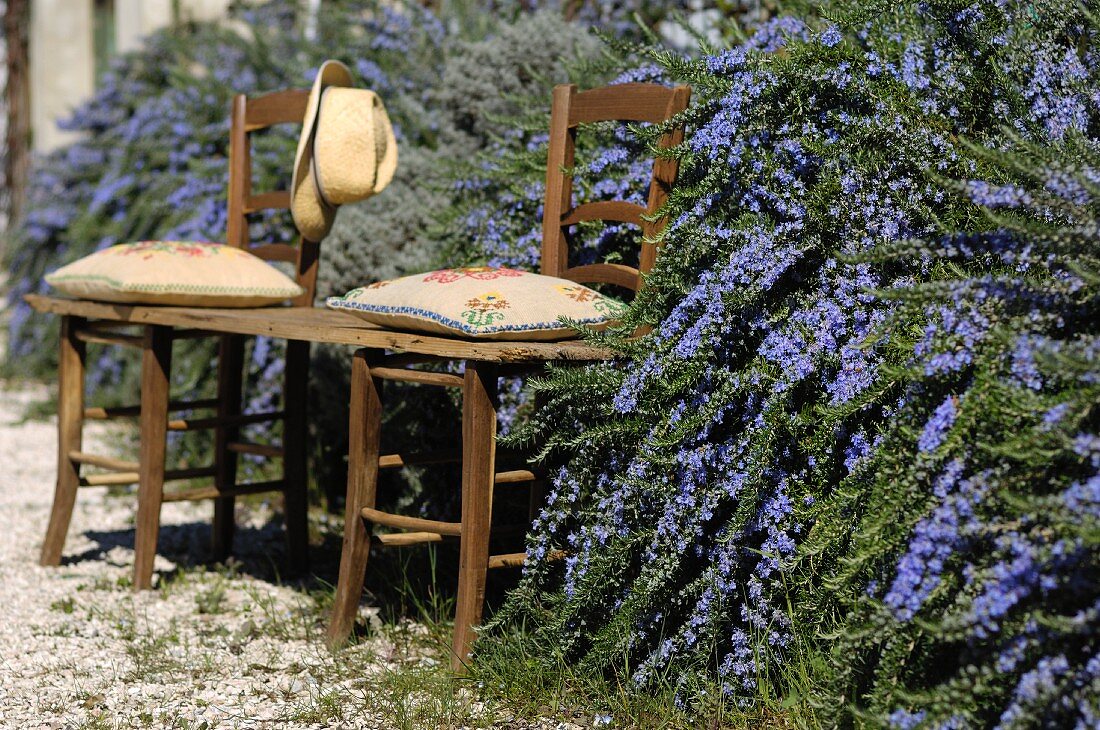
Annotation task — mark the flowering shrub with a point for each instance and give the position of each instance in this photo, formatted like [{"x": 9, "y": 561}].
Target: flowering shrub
[
  {"x": 840, "y": 467},
  {"x": 153, "y": 164}
]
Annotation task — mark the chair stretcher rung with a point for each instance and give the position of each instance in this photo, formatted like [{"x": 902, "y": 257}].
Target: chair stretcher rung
[
  {"x": 245, "y": 447},
  {"x": 516, "y": 560},
  {"x": 390, "y": 461},
  {"x": 213, "y": 492},
  {"x": 512, "y": 477},
  {"x": 424, "y": 377},
  {"x": 103, "y": 462},
  {"x": 404, "y": 539},
  {"x": 103, "y": 414},
  {"x": 198, "y": 424},
  {"x": 106, "y": 337},
  {"x": 132, "y": 477},
  {"x": 401, "y": 522}
]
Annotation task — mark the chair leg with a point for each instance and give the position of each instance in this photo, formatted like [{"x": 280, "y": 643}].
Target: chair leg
[
  {"x": 156, "y": 363},
  {"x": 479, "y": 430},
  {"x": 295, "y": 471},
  {"x": 364, "y": 443},
  {"x": 230, "y": 376},
  {"x": 70, "y": 421}
]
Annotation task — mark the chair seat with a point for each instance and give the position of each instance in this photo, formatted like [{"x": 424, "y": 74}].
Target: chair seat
[{"x": 312, "y": 324}]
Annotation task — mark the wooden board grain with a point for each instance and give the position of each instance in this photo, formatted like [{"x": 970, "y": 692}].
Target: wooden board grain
[{"x": 312, "y": 324}]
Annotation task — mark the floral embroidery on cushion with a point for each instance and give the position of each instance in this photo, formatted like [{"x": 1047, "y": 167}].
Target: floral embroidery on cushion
[
  {"x": 485, "y": 309},
  {"x": 375, "y": 285},
  {"x": 578, "y": 293},
  {"x": 191, "y": 249},
  {"x": 481, "y": 273}
]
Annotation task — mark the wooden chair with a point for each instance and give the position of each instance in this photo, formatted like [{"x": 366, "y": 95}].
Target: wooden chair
[
  {"x": 95, "y": 322},
  {"x": 371, "y": 367}
]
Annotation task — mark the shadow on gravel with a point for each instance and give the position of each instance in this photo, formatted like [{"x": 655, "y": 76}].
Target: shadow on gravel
[{"x": 416, "y": 583}]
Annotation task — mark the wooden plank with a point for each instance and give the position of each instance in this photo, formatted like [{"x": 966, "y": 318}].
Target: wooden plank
[
  {"x": 278, "y": 107},
  {"x": 403, "y": 522},
  {"x": 423, "y": 377},
  {"x": 133, "y": 477},
  {"x": 405, "y": 539},
  {"x": 516, "y": 560},
  {"x": 104, "y": 414},
  {"x": 70, "y": 410},
  {"x": 617, "y": 274},
  {"x": 274, "y": 200},
  {"x": 559, "y": 186},
  {"x": 275, "y": 252},
  {"x": 103, "y": 462},
  {"x": 240, "y": 173},
  {"x": 247, "y": 447},
  {"x": 604, "y": 210},
  {"x": 622, "y": 102},
  {"x": 295, "y": 468},
  {"x": 109, "y": 338},
  {"x": 239, "y": 419},
  {"x": 320, "y": 325},
  {"x": 212, "y": 492},
  {"x": 515, "y": 476},
  {"x": 112, "y": 479},
  {"x": 156, "y": 363},
  {"x": 479, "y": 432},
  {"x": 364, "y": 443},
  {"x": 230, "y": 379},
  {"x": 445, "y": 456}
]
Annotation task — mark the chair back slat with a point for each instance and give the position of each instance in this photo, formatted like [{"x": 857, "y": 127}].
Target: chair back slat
[
  {"x": 617, "y": 274},
  {"x": 621, "y": 103},
  {"x": 275, "y": 252},
  {"x": 248, "y": 116},
  {"x": 278, "y": 107},
  {"x": 278, "y": 200},
  {"x": 569, "y": 108},
  {"x": 605, "y": 210}
]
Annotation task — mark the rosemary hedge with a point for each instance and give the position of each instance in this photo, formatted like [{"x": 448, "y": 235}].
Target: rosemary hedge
[
  {"x": 854, "y": 468},
  {"x": 853, "y": 472}
]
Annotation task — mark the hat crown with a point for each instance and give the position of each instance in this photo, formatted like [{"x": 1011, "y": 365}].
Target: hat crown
[
  {"x": 346, "y": 152},
  {"x": 354, "y": 150}
]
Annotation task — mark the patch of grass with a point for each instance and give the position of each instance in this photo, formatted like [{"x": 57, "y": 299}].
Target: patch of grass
[
  {"x": 212, "y": 599},
  {"x": 526, "y": 680}
]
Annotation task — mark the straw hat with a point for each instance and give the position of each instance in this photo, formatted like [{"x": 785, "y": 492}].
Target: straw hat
[{"x": 347, "y": 151}]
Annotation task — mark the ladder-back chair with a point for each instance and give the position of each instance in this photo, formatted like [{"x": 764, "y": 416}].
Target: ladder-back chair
[
  {"x": 372, "y": 366},
  {"x": 86, "y": 322}
]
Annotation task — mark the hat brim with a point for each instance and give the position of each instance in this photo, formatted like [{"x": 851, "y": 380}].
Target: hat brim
[{"x": 312, "y": 216}]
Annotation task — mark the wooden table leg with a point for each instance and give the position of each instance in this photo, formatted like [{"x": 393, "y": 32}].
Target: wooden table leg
[
  {"x": 156, "y": 365},
  {"x": 230, "y": 376},
  {"x": 295, "y": 470},
  {"x": 364, "y": 443},
  {"x": 479, "y": 430},
  {"x": 70, "y": 421}
]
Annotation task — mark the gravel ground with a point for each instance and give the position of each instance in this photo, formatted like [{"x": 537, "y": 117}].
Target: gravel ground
[{"x": 208, "y": 648}]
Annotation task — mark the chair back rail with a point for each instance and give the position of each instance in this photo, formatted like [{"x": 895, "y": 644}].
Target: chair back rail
[
  {"x": 248, "y": 116},
  {"x": 569, "y": 108}
]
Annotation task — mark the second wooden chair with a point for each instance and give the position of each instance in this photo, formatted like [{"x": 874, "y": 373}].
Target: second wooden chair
[{"x": 371, "y": 367}]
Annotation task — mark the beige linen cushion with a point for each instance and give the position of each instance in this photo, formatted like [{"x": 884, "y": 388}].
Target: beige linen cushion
[
  {"x": 184, "y": 273},
  {"x": 480, "y": 302}
]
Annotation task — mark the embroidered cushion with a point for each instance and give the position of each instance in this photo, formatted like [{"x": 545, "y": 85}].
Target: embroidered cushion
[
  {"x": 481, "y": 302},
  {"x": 183, "y": 273}
]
